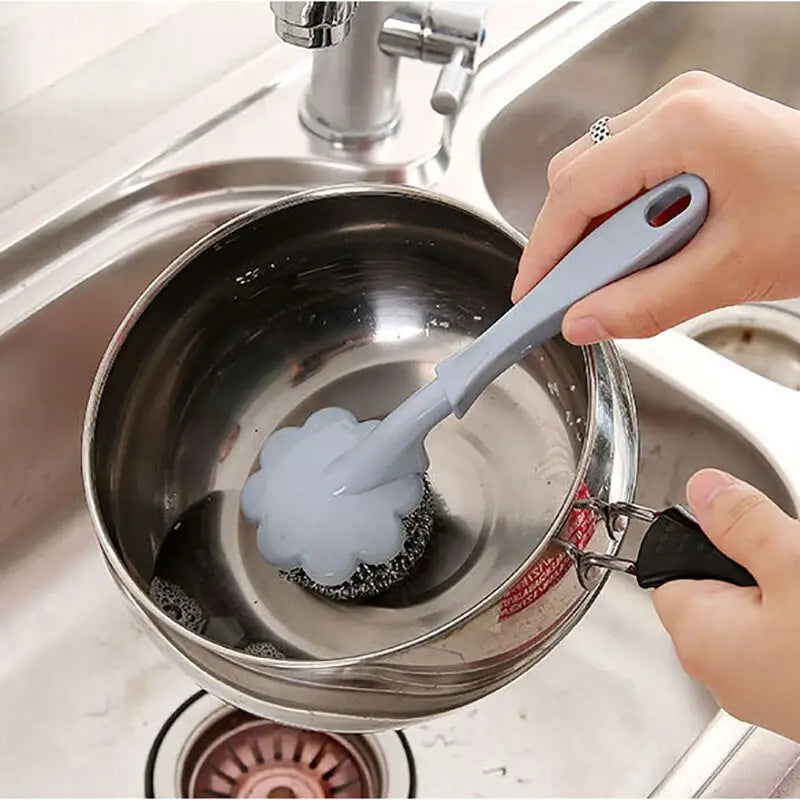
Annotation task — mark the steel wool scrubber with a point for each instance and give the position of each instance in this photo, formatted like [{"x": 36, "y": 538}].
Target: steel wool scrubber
[{"x": 344, "y": 507}]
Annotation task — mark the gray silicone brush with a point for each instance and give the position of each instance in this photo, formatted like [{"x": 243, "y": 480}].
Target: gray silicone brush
[{"x": 365, "y": 525}]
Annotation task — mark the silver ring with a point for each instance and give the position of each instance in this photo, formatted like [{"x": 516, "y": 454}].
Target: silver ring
[{"x": 599, "y": 131}]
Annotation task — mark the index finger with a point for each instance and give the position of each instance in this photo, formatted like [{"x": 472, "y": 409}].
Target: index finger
[{"x": 596, "y": 182}]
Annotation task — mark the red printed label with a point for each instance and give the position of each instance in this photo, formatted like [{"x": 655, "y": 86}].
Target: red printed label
[{"x": 547, "y": 572}]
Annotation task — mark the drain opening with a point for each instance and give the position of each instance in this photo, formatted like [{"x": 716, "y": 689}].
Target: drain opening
[
  {"x": 243, "y": 757},
  {"x": 762, "y": 338},
  {"x": 770, "y": 354},
  {"x": 208, "y": 749}
]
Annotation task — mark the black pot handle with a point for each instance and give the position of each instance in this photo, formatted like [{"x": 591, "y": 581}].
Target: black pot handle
[{"x": 675, "y": 548}]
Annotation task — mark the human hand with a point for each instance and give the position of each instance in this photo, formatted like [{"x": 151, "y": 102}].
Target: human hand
[
  {"x": 742, "y": 643},
  {"x": 745, "y": 147}
]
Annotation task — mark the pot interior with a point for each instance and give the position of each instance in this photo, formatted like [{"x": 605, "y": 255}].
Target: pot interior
[{"x": 346, "y": 299}]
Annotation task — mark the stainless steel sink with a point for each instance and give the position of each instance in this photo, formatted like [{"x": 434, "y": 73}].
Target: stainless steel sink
[
  {"x": 751, "y": 44},
  {"x": 609, "y": 712}
]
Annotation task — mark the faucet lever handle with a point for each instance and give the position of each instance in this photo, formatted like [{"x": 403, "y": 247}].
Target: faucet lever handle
[
  {"x": 449, "y": 34},
  {"x": 451, "y": 87}
]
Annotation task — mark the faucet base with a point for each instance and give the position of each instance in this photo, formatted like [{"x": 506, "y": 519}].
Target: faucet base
[
  {"x": 315, "y": 124},
  {"x": 351, "y": 96}
]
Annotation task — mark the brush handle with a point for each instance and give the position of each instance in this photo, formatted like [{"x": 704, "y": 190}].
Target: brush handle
[{"x": 625, "y": 243}]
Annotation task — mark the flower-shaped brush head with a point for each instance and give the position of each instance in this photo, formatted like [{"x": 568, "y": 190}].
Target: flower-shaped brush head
[{"x": 321, "y": 536}]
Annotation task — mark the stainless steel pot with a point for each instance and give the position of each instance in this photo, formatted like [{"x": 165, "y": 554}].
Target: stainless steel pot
[{"x": 349, "y": 297}]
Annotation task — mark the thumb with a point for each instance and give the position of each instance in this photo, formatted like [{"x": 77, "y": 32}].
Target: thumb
[{"x": 746, "y": 525}]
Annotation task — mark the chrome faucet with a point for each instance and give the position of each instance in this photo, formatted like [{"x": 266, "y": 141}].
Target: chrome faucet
[{"x": 352, "y": 96}]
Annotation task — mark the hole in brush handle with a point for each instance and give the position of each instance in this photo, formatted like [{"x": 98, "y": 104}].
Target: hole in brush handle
[
  {"x": 669, "y": 207},
  {"x": 658, "y": 214}
]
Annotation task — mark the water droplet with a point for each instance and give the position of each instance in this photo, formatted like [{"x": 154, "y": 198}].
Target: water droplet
[
  {"x": 572, "y": 387},
  {"x": 552, "y": 387}
]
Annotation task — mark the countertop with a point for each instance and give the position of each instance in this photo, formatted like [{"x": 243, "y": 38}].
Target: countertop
[{"x": 77, "y": 77}]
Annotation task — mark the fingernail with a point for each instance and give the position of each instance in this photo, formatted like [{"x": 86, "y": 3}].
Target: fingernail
[
  {"x": 704, "y": 485},
  {"x": 586, "y": 330},
  {"x": 515, "y": 291}
]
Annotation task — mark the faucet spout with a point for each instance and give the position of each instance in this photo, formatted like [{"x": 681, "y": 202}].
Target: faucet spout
[{"x": 313, "y": 25}]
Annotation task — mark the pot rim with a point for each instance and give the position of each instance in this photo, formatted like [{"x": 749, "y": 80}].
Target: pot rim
[{"x": 115, "y": 561}]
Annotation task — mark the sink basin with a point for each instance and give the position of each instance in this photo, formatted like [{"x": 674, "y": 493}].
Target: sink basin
[
  {"x": 83, "y": 692},
  {"x": 612, "y": 692},
  {"x": 751, "y": 44}
]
